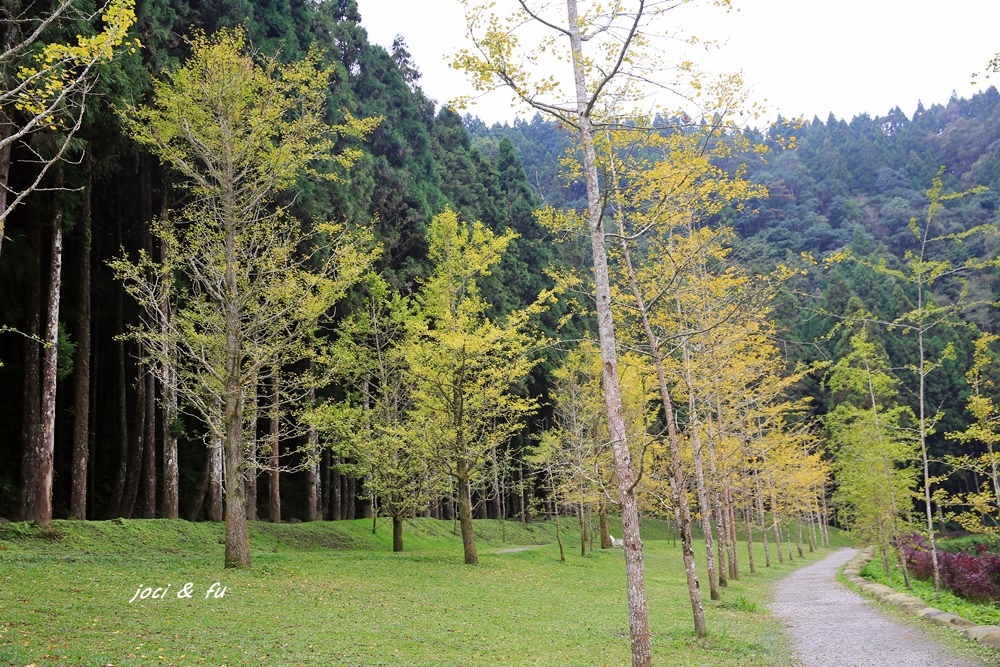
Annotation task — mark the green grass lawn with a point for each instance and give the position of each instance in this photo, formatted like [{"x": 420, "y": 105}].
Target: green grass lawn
[{"x": 334, "y": 594}]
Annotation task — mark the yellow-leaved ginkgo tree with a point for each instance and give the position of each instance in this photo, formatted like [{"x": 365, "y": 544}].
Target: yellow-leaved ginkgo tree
[
  {"x": 256, "y": 286},
  {"x": 466, "y": 368}
]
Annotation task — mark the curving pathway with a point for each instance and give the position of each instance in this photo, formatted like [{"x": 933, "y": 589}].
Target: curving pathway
[{"x": 832, "y": 626}]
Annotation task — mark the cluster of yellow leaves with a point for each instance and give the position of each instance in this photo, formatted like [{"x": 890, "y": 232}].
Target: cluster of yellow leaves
[
  {"x": 465, "y": 367},
  {"x": 57, "y": 66}
]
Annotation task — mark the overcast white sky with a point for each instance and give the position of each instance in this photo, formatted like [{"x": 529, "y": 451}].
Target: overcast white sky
[{"x": 805, "y": 57}]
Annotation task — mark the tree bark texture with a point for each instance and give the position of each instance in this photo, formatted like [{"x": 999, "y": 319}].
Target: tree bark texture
[
  {"x": 678, "y": 484},
  {"x": 6, "y": 129},
  {"x": 42, "y": 511},
  {"x": 149, "y": 449},
  {"x": 605, "y": 532},
  {"x": 635, "y": 576},
  {"x": 81, "y": 363},
  {"x": 397, "y": 533},
  {"x": 171, "y": 475},
  {"x": 274, "y": 473},
  {"x": 134, "y": 472},
  {"x": 119, "y": 494},
  {"x": 465, "y": 514},
  {"x": 251, "y": 472},
  {"x": 694, "y": 428},
  {"x": 30, "y": 434},
  {"x": 335, "y": 492},
  {"x": 215, "y": 474},
  {"x": 312, "y": 472}
]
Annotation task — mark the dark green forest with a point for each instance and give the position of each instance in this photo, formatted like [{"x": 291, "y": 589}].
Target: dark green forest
[
  {"x": 848, "y": 184},
  {"x": 851, "y": 185}
]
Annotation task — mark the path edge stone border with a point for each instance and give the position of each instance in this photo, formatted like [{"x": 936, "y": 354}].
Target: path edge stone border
[{"x": 987, "y": 635}]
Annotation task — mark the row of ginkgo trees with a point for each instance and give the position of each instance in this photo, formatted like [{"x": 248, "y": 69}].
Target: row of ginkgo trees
[
  {"x": 234, "y": 305},
  {"x": 704, "y": 386},
  {"x": 616, "y": 68}
]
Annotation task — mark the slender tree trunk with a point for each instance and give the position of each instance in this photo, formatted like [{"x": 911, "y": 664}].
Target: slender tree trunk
[
  {"x": 251, "y": 472},
  {"x": 215, "y": 476},
  {"x": 824, "y": 526},
  {"x": 678, "y": 485},
  {"x": 562, "y": 550},
  {"x": 134, "y": 476},
  {"x": 325, "y": 477},
  {"x": 722, "y": 546},
  {"x": 43, "y": 491},
  {"x": 682, "y": 515},
  {"x": 635, "y": 577},
  {"x": 118, "y": 496},
  {"x": 338, "y": 514},
  {"x": 605, "y": 533},
  {"x": 778, "y": 540},
  {"x": 81, "y": 364},
  {"x": 171, "y": 475},
  {"x": 397, "y": 533},
  {"x": 763, "y": 522},
  {"x": 351, "y": 498},
  {"x": 694, "y": 428},
  {"x": 148, "y": 472},
  {"x": 312, "y": 471},
  {"x": 749, "y": 529},
  {"x": 237, "y": 538},
  {"x": 776, "y": 523},
  {"x": 149, "y": 450},
  {"x": 497, "y": 490},
  {"x": 198, "y": 500},
  {"x": 922, "y": 374},
  {"x": 92, "y": 468},
  {"x": 274, "y": 473},
  {"x": 465, "y": 514},
  {"x": 6, "y": 129},
  {"x": 728, "y": 509},
  {"x": 521, "y": 492},
  {"x": 32, "y": 419},
  {"x": 123, "y": 442},
  {"x": 367, "y": 502},
  {"x": 312, "y": 483}
]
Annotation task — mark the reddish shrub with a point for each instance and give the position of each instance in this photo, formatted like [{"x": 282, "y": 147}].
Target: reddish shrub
[{"x": 971, "y": 577}]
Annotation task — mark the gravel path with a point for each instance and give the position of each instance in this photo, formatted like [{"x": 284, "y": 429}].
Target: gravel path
[
  {"x": 834, "y": 627},
  {"x": 514, "y": 550}
]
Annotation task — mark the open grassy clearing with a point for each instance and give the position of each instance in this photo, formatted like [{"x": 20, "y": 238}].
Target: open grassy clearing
[{"x": 332, "y": 593}]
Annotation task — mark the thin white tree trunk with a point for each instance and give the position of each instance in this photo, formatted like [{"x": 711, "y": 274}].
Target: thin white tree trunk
[{"x": 50, "y": 356}]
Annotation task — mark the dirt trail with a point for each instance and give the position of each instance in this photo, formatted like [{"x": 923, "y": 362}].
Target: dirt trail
[
  {"x": 832, "y": 626},
  {"x": 514, "y": 550}
]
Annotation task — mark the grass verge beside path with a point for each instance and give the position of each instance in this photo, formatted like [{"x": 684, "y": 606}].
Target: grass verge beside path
[
  {"x": 331, "y": 593},
  {"x": 979, "y": 613},
  {"x": 961, "y": 646}
]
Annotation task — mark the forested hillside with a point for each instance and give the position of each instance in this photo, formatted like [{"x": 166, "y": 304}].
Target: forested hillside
[{"x": 849, "y": 185}]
